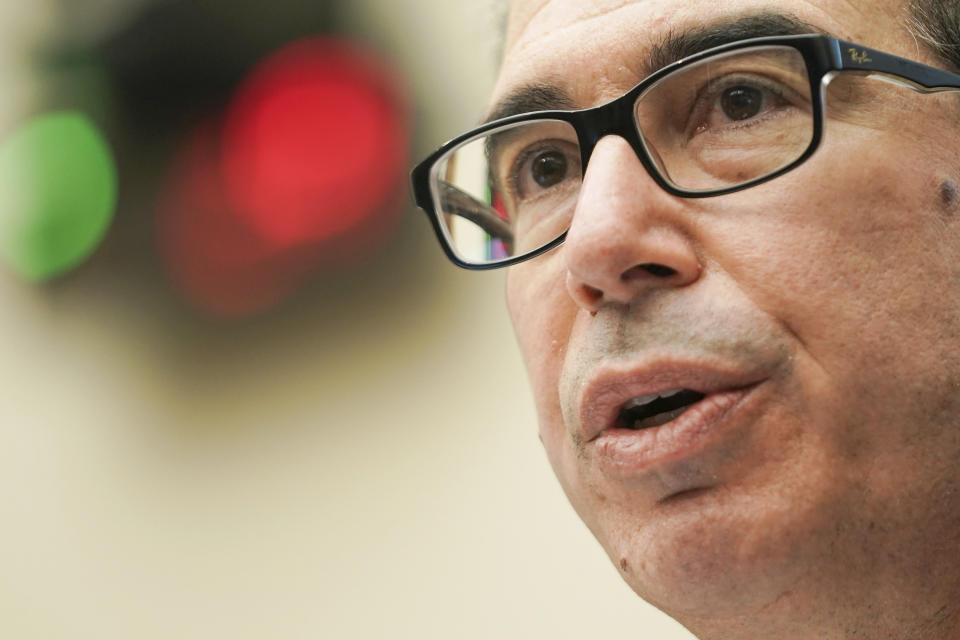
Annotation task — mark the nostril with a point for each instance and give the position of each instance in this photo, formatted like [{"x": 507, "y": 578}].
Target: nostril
[
  {"x": 592, "y": 293},
  {"x": 654, "y": 269}
]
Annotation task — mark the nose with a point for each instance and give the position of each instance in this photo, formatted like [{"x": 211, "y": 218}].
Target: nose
[{"x": 626, "y": 237}]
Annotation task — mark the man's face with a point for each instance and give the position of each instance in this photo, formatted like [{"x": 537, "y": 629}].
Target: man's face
[{"x": 819, "y": 314}]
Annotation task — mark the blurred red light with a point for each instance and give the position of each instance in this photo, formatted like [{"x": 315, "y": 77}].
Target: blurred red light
[
  {"x": 217, "y": 261},
  {"x": 315, "y": 144},
  {"x": 304, "y": 176}
]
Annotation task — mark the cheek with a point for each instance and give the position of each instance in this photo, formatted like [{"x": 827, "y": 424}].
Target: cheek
[
  {"x": 848, "y": 256},
  {"x": 544, "y": 316},
  {"x": 861, "y": 271}
]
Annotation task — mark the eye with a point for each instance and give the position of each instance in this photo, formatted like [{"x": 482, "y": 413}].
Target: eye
[
  {"x": 741, "y": 103},
  {"x": 544, "y": 167},
  {"x": 737, "y": 102},
  {"x": 548, "y": 169}
]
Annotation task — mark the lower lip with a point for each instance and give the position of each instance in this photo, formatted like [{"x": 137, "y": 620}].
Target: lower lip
[{"x": 628, "y": 451}]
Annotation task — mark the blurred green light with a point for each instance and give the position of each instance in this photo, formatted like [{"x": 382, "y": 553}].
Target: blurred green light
[{"x": 58, "y": 191}]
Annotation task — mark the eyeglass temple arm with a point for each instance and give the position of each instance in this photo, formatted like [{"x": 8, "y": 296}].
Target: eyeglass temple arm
[
  {"x": 918, "y": 76},
  {"x": 466, "y": 206}
]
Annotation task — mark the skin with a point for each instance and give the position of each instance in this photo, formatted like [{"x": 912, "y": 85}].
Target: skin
[{"x": 830, "y": 509}]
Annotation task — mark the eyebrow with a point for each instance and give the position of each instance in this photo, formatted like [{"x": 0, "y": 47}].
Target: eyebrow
[
  {"x": 672, "y": 47},
  {"x": 534, "y": 97}
]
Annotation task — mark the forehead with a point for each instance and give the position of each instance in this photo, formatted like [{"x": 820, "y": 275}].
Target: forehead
[{"x": 594, "y": 49}]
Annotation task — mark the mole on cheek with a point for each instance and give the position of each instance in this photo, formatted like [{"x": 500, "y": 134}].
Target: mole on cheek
[{"x": 948, "y": 198}]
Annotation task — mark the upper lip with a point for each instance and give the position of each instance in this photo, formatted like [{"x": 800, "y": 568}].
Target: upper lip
[{"x": 608, "y": 388}]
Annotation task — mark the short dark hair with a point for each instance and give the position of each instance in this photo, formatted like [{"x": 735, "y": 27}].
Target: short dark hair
[{"x": 936, "y": 24}]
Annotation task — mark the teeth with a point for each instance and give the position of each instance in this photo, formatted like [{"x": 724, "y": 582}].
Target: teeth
[
  {"x": 642, "y": 400},
  {"x": 656, "y": 409}
]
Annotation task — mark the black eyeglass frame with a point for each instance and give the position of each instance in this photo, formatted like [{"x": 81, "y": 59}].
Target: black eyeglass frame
[{"x": 823, "y": 56}]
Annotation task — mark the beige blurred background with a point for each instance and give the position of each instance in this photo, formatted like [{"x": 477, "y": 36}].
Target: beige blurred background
[{"x": 362, "y": 463}]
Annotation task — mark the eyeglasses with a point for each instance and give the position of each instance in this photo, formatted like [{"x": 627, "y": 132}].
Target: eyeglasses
[{"x": 716, "y": 122}]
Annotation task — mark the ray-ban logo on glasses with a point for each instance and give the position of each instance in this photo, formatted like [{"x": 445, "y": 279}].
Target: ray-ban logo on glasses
[{"x": 860, "y": 57}]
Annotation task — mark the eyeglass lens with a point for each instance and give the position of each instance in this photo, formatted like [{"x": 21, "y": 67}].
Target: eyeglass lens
[{"x": 721, "y": 122}]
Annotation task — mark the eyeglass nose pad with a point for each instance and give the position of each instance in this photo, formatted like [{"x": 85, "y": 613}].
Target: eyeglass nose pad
[
  {"x": 614, "y": 118},
  {"x": 648, "y": 156},
  {"x": 617, "y": 118}
]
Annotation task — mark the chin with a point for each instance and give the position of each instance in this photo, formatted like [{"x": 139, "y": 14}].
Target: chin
[{"x": 717, "y": 553}]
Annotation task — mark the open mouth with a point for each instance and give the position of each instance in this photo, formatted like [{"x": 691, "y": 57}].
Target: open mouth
[{"x": 656, "y": 409}]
